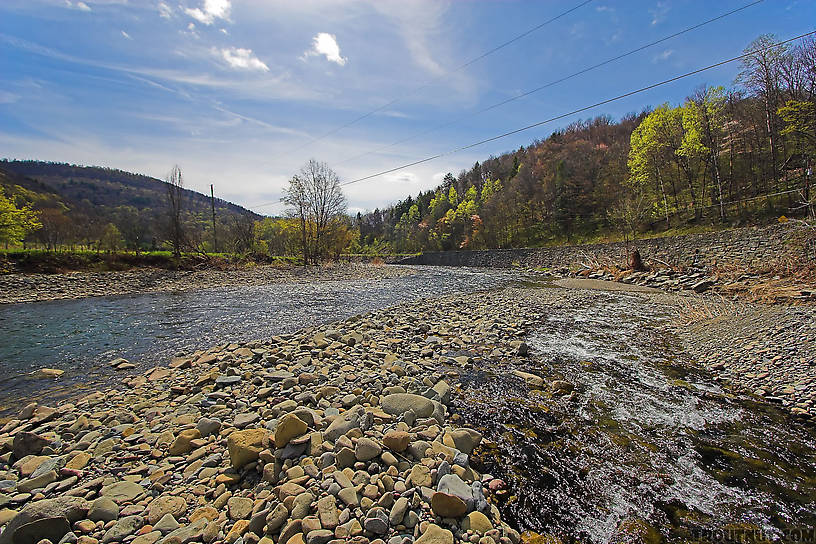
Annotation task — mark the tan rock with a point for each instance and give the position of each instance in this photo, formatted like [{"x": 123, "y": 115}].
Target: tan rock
[
  {"x": 183, "y": 442},
  {"x": 477, "y": 522},
  {"x": 289, "y": 427},
  {"x": 397, "y": 440},
  {"x": 420, "y": 476},
  {"x": 435, "y": 534},
  {"x": 447, "y": 506},
  {"x": 245, "y": 446}
]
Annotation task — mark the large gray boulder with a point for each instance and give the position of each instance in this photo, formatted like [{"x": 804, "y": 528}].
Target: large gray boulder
[{"x": 398, "y": 404}]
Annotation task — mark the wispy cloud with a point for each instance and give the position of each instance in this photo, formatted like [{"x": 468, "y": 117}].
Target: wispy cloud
[
  {"x": 165, "y": 10},
  {"x": 663, "y": 56},
  {"x": 659, "y": 12},
  {"x": 325, "y": 44},
  {"x": 81, "y": 6},
  {"x": 420, "y": 24},
  {"x": 242, "y": 59},
  {"x": 210, "y": 11}
]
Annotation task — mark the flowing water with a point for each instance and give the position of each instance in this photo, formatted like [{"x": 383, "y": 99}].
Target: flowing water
[
  {"x": 81, "y": 336},
  {"x": 645, "y": 449}
]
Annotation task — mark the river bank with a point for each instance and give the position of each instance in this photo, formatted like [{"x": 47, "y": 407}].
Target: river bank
[
  {"x": 310, "y": 437},
  {"x": 17, "y": 288}
]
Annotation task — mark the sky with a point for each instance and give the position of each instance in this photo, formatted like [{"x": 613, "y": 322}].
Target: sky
[{"x": 242, "y": 93}]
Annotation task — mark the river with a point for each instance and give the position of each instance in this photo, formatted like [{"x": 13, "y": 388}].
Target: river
[
  {"x": 81, "y": 336},
  {"x": 646, "y": 442}
]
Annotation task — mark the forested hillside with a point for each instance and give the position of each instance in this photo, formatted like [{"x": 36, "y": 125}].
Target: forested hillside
[
  {"x": 725, "y": 156},
  {"x": 82, "y": 206}
]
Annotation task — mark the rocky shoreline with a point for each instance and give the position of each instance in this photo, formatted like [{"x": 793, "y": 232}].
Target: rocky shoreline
[
  {"x": 333, "y": 434},
  {"x": 20, "y": 288},
  {"x": 336, "y": 433}
]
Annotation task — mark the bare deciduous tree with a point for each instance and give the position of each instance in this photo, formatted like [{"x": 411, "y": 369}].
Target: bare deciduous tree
[
  {"x": 317, "y": 201},
  {"x": 175, "y": 191}
]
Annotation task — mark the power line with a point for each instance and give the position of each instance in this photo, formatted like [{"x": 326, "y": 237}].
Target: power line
[
  {"x": 437, "y": 78},
  {"x": 553, "y": 83},
  {"x": 579, "y": 110}
]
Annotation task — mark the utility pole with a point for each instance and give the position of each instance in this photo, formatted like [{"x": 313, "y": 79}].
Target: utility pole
[{"x": 212, "y": 205}]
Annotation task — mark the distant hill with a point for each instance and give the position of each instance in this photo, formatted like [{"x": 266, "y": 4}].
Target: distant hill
[
  {"x": 79, "y": 202},
  {"x": 106, "y": 187}
]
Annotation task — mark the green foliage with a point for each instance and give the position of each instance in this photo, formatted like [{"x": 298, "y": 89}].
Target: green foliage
[
  {"x": 16, "y": 223},
  {"x": 722, "y": 156},
  {"x": 800, "y": 122}
]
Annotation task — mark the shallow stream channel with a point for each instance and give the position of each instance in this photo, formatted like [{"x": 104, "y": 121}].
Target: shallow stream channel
[{"x": 645, "y": 449}]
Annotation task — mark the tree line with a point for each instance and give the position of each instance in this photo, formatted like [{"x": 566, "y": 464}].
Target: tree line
[{"x": 724, "y": 156}]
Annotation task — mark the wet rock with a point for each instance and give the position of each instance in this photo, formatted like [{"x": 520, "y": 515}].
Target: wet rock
[
  {"x": 532, "y": 380},
  {"x": 47, "y": 373}
]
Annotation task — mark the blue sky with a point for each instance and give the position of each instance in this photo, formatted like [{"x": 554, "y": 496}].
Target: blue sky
[{"x": 237, "y": 91}]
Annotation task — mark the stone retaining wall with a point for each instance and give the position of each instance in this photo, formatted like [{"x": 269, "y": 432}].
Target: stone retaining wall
[{"x": 744, "y": 246}]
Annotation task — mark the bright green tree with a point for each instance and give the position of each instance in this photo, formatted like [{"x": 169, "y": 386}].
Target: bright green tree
[
  {"x": 650, "y": 147},
  {"x": 111, "y": 239},
  {"x": 16, "y": 223},
  {"x": 703, "y": 121}
]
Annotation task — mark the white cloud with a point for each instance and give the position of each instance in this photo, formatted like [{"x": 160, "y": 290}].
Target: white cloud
[
  {"x": 126, "y": 35},
  {"x": 242, "y": 59},
  {"x": 326, "y": 44},
  {"x": 210, "y": 11},
  {"x": 165, "y": 11},
  {"x": 81, "y": 6},
  {"x": 663, "y": 56},
  {"x": 659, "y": 12},
  {"x": 422, "y": 27}
]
